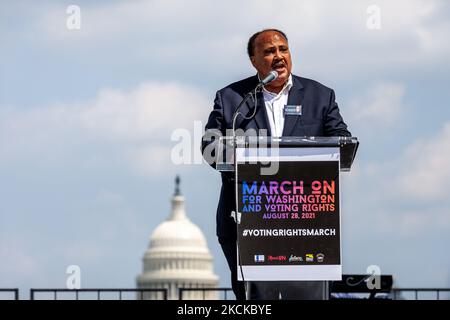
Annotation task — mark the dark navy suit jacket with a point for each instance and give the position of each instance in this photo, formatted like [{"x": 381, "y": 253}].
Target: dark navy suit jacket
[{"x": 320, "y": 117}]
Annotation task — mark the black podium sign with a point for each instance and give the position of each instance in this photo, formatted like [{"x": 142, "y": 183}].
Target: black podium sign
[{"x": 289, "y": 221}]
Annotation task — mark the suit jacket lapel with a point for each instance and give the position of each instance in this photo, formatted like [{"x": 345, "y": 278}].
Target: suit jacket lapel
[
  {"x": 296, "y": 95},
  {"x": 261, "y": 114}
]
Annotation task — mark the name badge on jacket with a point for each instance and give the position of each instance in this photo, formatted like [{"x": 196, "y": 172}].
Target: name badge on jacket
[{"x": 290, "y": 110}]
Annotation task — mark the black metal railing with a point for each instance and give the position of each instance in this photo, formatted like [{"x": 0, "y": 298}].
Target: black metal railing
[
  {"x": 14, "y": 291},
  {"x": 181, "y": 292},
  {"x": 397, "y": 293},
  {"x": 140, "y": 292}
]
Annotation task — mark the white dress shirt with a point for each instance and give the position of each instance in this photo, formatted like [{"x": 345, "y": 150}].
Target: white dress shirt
[{"x": 275, "y": 103}]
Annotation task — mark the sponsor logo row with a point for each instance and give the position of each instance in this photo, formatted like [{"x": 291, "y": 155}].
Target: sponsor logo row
[{"x": 309, "y": 257}]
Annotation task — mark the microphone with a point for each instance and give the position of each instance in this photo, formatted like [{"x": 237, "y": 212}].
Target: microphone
[{"x": 269, "y": 78}]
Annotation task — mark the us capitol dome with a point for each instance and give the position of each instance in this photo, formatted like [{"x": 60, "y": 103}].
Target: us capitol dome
[{"x": 178, "y": 257}]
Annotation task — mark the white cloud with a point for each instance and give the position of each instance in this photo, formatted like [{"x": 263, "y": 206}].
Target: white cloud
[
  {"x": 327, "y": 38},
  {"x": 132, "y": 127},
  {"x": 149, "y": 112},
  {"x": 425, "y": 169},
  {"x": 150, "y": 160},
  {"x": 381, "y": 105},
  {"x": 404, "y": 195},
  {"x": 397, "y": 219}
]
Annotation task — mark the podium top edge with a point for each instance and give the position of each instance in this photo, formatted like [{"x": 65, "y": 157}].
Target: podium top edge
[{"x": 248, "y": 141}]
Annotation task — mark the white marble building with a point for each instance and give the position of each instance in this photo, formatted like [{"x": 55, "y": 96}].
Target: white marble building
[{"x": 178, "y": 257}]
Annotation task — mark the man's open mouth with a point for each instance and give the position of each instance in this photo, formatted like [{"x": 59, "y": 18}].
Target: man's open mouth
[{"x": 279, "y": 66}]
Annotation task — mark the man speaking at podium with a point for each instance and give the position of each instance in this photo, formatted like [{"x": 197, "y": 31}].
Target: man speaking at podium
[{"x": 286, "y": 106}]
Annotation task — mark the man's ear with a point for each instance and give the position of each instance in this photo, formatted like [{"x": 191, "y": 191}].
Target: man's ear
[{"x": 252, "y": 59}]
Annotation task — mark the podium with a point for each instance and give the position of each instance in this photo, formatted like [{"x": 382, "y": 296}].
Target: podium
[{"x": 288, "y": 211}]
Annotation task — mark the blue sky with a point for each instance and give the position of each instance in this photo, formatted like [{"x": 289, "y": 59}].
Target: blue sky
[{"x": 86, "y": 118}]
